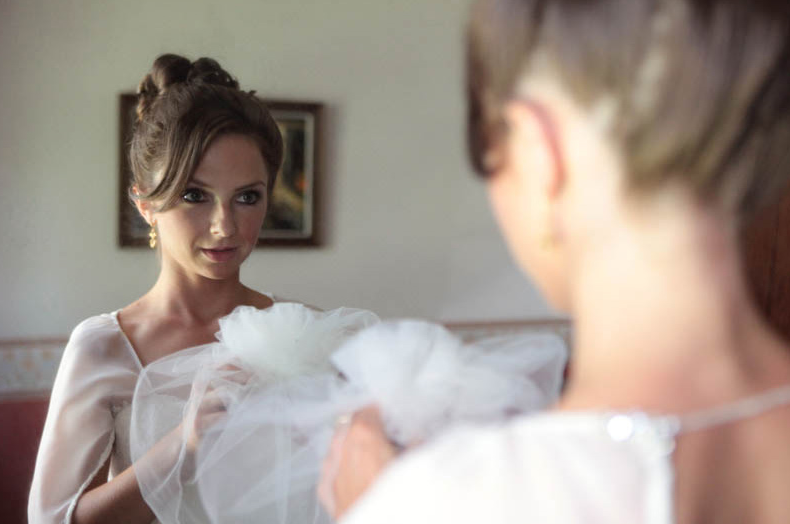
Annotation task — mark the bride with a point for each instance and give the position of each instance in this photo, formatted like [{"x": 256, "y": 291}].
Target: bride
[{"x": 204, "y": 158}]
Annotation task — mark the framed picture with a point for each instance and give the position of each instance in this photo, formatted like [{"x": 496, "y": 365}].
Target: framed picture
[{"x": 291, "y": 217}]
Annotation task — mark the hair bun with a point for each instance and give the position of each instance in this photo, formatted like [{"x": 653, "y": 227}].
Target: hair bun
[
  {"x": 167, "y": 70},
  {"x": 208, "y": 71}
]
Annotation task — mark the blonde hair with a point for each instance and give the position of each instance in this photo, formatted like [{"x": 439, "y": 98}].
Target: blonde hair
[{"x": 696, "y": 90}]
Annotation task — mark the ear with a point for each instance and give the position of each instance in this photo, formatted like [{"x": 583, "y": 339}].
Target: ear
[
  {"x": 143, "y": 207},
  {"x": 535, "y": 144}
]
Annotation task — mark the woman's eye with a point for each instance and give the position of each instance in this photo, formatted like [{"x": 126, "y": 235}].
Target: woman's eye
[
  {"x": 193, "y": 196},
  {"x": 248, "y": 197}
]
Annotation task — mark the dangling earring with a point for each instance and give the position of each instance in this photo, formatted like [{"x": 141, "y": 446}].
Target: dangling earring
[{"x": 152, "y": 235}]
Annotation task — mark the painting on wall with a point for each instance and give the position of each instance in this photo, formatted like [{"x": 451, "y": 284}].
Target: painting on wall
[{"x": 291, "y": 217}]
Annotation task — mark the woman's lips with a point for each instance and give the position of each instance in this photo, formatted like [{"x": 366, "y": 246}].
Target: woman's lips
[{"x": 220, "y": 255}]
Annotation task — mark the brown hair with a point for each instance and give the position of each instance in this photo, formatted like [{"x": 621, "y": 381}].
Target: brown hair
[
  {"x": 182, "y": 107},
  {"x": 699, "y": 89}
]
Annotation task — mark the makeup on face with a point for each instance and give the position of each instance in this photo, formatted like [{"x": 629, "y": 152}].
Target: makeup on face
[{"x": 216, "y": 222}]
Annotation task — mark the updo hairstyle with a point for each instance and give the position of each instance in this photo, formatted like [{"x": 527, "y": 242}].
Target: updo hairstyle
[
  {"x": 689, "y": 90},
  {"x": 182, "y": 106}
]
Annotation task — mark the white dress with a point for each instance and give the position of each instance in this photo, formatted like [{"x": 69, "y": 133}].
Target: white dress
[
  {"x": 551, "y": 468},
  {"x": 284, "y": 375},
  {"x": 88, "y": 418},
  {"x": 270, "y": 371}
]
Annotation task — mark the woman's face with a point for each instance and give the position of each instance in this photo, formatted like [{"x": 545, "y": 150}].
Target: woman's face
[{"x": 215, "y": 224}]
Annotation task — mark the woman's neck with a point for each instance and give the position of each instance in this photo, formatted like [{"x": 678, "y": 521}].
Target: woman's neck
[
  {"x": 664, "y": 319},
  {"x": 193, "y": 298}
]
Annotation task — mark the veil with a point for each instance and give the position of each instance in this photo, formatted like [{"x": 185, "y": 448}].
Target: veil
[{"x": 265, "y": 397}]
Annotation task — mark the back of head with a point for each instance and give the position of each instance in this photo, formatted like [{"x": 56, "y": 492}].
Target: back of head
[
  {"x": 182, "y": 107},
  {"x": 692, "y": 90}
]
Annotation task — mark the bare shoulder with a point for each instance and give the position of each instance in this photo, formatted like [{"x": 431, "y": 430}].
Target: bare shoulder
[
  {"x": 294, "y": 301},
  {"x": 739, "y": 466},
  {"x": 133, "y": 314},
  {"x": 262, "y": 301},
  {"x": 257, "y": 299},
  {"x": 137, "y": 320},
  {"x": 142, "y": 328}
]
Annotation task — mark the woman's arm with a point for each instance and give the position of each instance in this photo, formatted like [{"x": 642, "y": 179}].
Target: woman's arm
[
  {"x": 118, "y": 500},
  {"x": 79, "y": 431}
]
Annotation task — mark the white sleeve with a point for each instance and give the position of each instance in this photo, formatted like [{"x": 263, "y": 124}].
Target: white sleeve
[
  {"x": 440, "y": 482},
  {"x": 541, "y": 469},
  {"x": 79, "y": 430}
]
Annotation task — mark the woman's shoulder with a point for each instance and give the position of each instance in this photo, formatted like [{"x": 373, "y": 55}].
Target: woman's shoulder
[
  {"x": 263, "y": 300},
  {"x": 534, "y": 433},
  {"x": 97, "y": 335},
  {"x": 257, "y": 299},
  {"x": 102, "y": 324},
  {"x": 587, "y": 435},
  {"x": 563, "y": 466}
]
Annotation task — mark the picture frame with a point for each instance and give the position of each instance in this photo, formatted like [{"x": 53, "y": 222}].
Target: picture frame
[{"x": 291, "y": 219}]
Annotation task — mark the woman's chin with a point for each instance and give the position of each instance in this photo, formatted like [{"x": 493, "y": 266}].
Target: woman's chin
[{"x": 220, "y": 272}]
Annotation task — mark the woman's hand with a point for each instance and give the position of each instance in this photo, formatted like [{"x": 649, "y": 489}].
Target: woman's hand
[
  {"x": 213, "y": 404},
  {"x": 358, "y": 453},
  {"x": 211, "y": 410}
]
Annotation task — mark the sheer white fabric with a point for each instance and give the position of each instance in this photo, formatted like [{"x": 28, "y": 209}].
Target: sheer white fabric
[
  {"x": 88, "y": 418},
  {"x": 548, "y": 469},
  {"x": 282, "y": 393},
  {"x": 552, "y": 468},
  {"x": 266, "y": 363}
]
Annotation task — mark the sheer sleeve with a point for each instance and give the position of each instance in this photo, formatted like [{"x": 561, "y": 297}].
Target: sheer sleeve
[{"x": 96, "y": 373}]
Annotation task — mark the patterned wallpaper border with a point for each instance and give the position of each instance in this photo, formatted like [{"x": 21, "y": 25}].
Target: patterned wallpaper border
[{"x": 28, "y": 367}]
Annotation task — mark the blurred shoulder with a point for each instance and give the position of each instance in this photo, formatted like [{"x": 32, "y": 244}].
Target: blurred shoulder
[{"x": 546, "y": 467}]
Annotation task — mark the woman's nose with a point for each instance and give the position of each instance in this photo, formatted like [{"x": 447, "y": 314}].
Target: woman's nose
[{"x": 223, "y": 223}]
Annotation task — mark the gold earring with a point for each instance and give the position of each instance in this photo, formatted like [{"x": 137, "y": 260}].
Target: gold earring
[{"x": 152, "y": 236}]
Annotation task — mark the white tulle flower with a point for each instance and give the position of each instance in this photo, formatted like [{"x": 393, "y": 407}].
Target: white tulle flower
[
  {"x": 425, "y": 379},
  {"x": 288, "y": 339}
]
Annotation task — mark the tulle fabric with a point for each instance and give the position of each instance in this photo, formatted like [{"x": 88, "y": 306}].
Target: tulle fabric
[{"x": 285, "y": 374}]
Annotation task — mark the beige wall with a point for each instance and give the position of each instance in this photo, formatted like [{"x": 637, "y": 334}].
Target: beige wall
[{"x": 409, "y": 232}]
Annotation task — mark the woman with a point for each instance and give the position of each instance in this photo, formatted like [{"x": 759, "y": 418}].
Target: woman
[
  {"x": 622, "y": 142},
  {"x": 204, "y": 157}
]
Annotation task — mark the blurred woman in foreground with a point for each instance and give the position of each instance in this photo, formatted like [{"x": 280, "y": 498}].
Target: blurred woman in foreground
[{"x": 623, "y": 142}]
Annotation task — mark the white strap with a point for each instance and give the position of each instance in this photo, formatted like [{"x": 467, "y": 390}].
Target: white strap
[{"x": 739, "y": 410}]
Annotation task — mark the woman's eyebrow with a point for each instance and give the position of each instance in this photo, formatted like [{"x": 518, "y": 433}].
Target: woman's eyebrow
[
  {"x": 250, "y": 186},
  {"x": 200, "y": 183}
]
